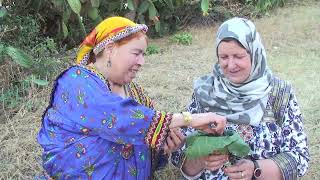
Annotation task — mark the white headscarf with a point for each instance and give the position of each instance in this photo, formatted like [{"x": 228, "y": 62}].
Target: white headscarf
[{"x": 241, "y": 103}]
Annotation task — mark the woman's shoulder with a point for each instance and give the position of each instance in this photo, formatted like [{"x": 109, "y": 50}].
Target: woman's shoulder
[{"x": 75, "y": 72}]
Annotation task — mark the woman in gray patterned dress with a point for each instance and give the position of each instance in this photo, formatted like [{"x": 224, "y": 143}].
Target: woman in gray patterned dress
[{"x": 258, "y": 105}]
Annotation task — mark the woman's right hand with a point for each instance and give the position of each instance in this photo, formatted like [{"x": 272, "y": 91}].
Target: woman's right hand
[
  {"x": 214, "y": 161},
  {"x": 203, "y": 122}
]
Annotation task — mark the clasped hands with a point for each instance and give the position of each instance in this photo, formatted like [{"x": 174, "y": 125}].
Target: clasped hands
[
  {"x": 241, "y": 170},
  {"x": 203, "y": 122}
]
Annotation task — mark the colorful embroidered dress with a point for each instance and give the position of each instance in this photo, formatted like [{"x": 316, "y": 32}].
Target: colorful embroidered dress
[{"x": 88, "y": 132}]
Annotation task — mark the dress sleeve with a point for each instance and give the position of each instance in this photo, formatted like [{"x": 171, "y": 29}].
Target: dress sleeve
[
  {"x": 82, "y": 104},
  {"x": 294, "y": 156},
  {"x": 178, "y": 157}
]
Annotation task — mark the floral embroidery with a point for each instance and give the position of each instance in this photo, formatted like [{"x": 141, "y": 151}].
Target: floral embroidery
[{"x": 268, "y": 140}]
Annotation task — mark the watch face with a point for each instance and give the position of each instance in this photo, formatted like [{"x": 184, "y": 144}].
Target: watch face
[{"x": 257, "y": 172}]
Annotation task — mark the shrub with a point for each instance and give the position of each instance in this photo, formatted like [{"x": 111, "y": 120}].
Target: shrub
[
  {"x": 152, "y": 49},
  {"x": 182, "y": 38}
]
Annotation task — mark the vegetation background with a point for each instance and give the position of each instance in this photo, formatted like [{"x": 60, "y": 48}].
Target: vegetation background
[{"x": 38, "y": 39}]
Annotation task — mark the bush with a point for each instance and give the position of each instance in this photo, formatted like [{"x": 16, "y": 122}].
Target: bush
[
  {"x": 152, "y": 49},
  {"x": 182, "y": 38}
]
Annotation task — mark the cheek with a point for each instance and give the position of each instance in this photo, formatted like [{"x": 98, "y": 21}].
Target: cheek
[{"x": 223, "y": 65}]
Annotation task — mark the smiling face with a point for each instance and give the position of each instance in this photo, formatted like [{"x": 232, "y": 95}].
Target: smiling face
[
  {"x": 126, "y": 59},
  {"x": 234, "y": 61}
]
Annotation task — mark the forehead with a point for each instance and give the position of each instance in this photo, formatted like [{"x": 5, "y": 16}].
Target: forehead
[
  {"x": 230, "y": 45},
  {"x": 138, "y": 43}
]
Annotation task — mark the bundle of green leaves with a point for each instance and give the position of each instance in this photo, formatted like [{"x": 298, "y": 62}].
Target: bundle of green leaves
[{"x": 202, "y": 144}]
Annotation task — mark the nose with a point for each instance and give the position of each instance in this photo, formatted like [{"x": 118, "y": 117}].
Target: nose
[
  {"x": 231, "y": 63},
  {"x": 141, "y": 60}
]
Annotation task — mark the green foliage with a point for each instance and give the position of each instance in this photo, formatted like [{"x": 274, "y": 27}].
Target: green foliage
[
  {"x": 182, "y": 38},
  {"x": 19, "y": 56},
  {"x": 152, "y": 49},
  {"x": 205, "y": 7},
  {"x": 263, "y": 6},
  {"x": 201, "y": 145},
  {"x": 11, "y": 97},
  {"x": 75, "y": 5}
]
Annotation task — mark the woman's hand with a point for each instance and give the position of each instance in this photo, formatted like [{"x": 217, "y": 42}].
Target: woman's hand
[
  {"x": 174, "y": 141},
  {"x": 209, "y": 122},
  {"x": 243, "y": 170},
  {"x": 215, "y": 161}
]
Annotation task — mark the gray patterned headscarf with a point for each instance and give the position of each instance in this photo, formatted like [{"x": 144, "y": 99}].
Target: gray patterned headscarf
[{"x": 241, "y": 103}]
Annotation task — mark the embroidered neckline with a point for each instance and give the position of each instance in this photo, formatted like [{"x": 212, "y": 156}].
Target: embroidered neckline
[{"x": 93, "y": 69}]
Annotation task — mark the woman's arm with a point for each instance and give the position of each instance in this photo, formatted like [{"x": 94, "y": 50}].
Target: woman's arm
[
  {"x": 82, "y": 104},
  {"x": 292, "y": 161},
  {"x": 294, "y": 156}
]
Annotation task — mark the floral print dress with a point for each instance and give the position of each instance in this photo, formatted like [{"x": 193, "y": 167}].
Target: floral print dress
[
  {"x": 284, "y": 143},
  {"x": 88, "y": 132}
]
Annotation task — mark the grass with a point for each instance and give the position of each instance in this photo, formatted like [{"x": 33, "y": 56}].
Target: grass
[{"x": 291, "y": 37}]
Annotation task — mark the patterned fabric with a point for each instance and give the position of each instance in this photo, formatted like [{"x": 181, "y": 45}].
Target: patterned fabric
[
  {"x": 286, "y": 144},
  {"x": 89, "y": 132},
  {"x": 109, "y": 30},
  {"x": 241, "y": 103}
]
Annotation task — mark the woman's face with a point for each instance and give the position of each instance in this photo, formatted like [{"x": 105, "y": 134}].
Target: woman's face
[
  {"x": 127, "y": 60},
  {"x": 235, "y": 61}
]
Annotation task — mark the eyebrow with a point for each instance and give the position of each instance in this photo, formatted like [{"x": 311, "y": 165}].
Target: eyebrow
[{"x": 139, "y": 50}]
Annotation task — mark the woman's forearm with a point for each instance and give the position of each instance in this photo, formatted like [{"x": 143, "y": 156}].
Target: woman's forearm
[
  {"x": 192, "y": 167},
  {"x": 177, "y": 121},
  {"x": 269, "y": 167}
]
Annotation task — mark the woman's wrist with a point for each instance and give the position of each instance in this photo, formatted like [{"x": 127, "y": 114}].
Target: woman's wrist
[
  {"x": 177, "y": 121},
  {"x": 192, "y": 167},
  {"x": 187, "y": 117}
]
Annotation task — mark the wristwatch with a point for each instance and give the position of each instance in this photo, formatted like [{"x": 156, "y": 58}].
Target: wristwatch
[{"x": 257, "y": 170}]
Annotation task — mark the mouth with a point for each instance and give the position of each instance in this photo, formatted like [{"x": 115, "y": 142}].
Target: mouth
[
  {"x": 134, "y": 71},
  {"x": 234, "y": 71}
]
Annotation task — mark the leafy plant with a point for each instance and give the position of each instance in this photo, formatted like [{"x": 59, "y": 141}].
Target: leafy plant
[
  {"x": 182, "y": 38},
  {"x": 264, "y": 5},
  {"x": 152, "y": 49}
]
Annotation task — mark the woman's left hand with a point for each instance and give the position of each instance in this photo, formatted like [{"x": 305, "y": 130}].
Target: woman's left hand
[
  {"x": 174, "y": 141},
  {"x": 243, "y": 170},
  {"x": 211, "y": 123}
]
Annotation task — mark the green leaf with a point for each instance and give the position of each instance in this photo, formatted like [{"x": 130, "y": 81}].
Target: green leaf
[
  {"x": 75, "y": 5},
  {"x": 66, "y": 15},
  {"x": 93, "y": 13},
  {"x": 65, "y": 30},
  {"x": 37, "y": 81},
  {"x": 170, "y": 4},
  {"x": 202, "y": 145},
  {"x": 157, "y": 26},
  {"x": 3, "y": 12},
  {"x": 143, "y": 7},
  {"x": 19, "y": 56},
  {"x": 58, "y": 3},
  {"x": 152, "y": 10},
  {"x": 205, "y": 6},
  {"x": 95, "y": 3},
  {"x": 130, "y": 5}
]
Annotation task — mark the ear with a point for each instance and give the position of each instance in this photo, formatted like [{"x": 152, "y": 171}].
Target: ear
[{"x": 109, "y": 48}]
